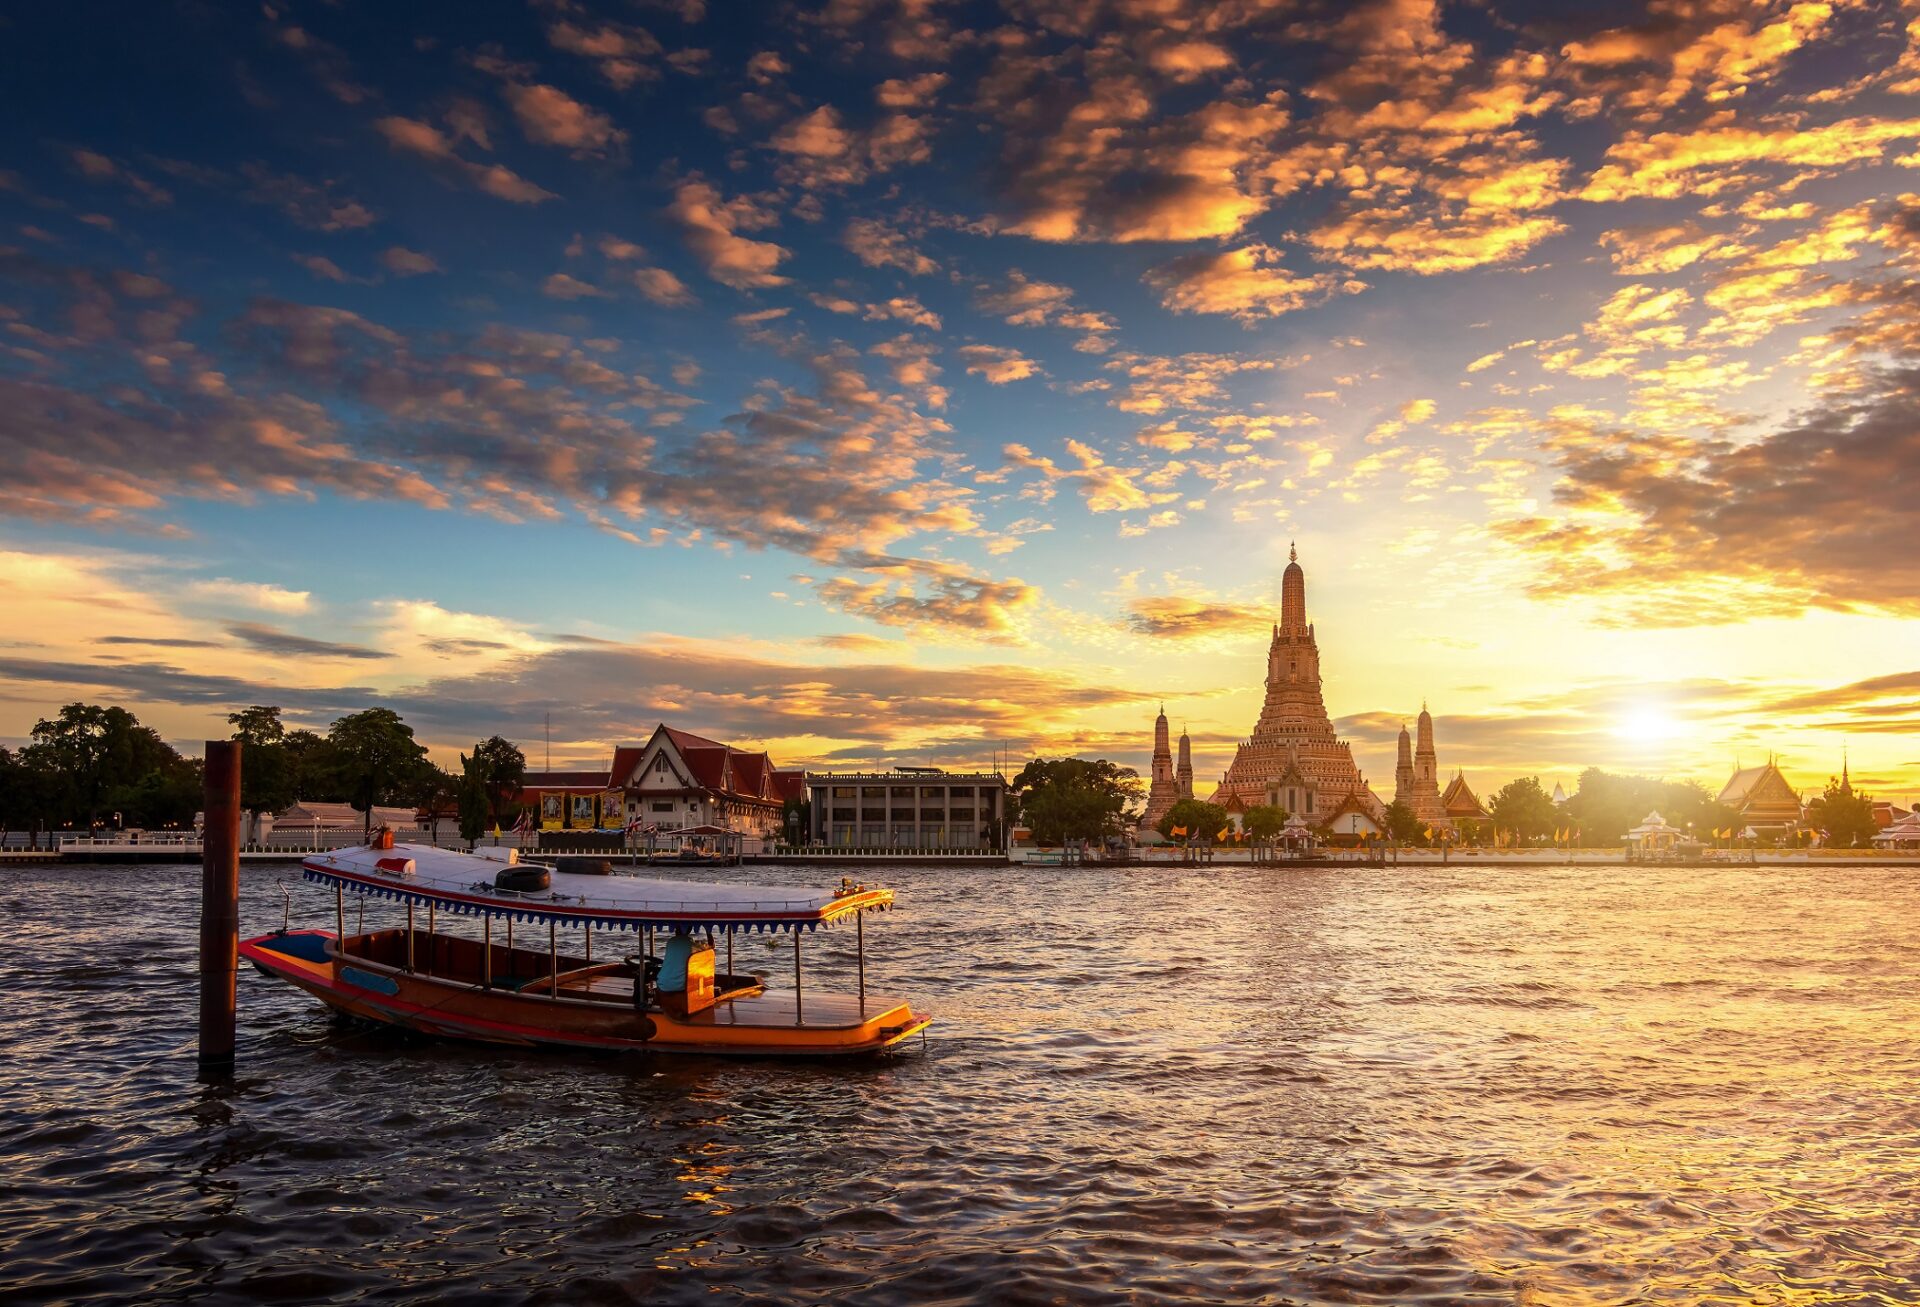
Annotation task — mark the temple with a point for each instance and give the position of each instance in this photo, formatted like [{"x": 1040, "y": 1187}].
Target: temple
[
  {"x": 1416, "y": 783},
  {"x": 1293, "y": 760},
  {"x": 1416, "y": 780},
  {"x": 1765, "y": 800},
  {"x": 1168, "y": 785}
]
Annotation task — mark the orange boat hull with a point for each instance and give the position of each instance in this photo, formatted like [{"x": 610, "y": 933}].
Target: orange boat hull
[{"x": 747, "y": 1022}]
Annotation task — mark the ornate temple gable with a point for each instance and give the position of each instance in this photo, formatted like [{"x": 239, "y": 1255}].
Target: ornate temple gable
[
  {"x": 1761, "y": 792},
  {"x": 1460, "y": 802}
]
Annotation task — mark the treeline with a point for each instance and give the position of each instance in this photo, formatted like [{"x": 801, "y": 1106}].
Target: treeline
[{"x": 92, "y": 766}]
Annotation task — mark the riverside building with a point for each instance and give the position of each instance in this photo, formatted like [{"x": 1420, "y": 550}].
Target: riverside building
[{"x": 908, "y": 808}]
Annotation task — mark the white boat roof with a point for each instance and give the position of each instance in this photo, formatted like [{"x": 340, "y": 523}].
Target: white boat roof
[{"x": 463, "y": 884}]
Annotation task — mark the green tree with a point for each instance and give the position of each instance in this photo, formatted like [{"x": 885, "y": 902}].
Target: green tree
[
  {"x": 1844, "y": 817},
  {"x": 1402, "y": 824},
  {"x": 1075, "y": 799},
  {"x": 1201, "y": 820},
  {"x": 87, "y": 750},
  {"x": 266, "y": 771},
  {"x": 475, "y": 802},
  {"x": 380, "y": 759},
  {"x": 1264, "y": 821},
  {"x": 1522, "y": 806},
  {"x": 503, "y": 770}
]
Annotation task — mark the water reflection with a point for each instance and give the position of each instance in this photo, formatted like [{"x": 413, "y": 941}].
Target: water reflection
[{"x": 1444, "y": 1085}]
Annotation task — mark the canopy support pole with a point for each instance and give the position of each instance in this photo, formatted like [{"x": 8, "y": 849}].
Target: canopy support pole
[
  {"x": 512, "y": 970},
  {"x": 729, "y": 950},
  {"x": 553, "y": 957},
  {"x": 589, "y": 941},
  {"x": 340, "y": 920},
  {"x": 486, "y": 950},
  {"x": 433, "y": 940},
  {"x": 860, "y": 953},
  {"x": 409, "y": 934},
  {"x": 798, "y": 1015}
]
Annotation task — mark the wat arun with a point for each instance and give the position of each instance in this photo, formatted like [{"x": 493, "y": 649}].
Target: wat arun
[{"x": 1293, "y": 760}]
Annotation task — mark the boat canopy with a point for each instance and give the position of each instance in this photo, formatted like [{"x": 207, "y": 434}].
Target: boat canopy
[{"x": 463, "y": 884}]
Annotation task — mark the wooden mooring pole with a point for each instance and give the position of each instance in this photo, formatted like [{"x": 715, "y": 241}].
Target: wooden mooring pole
[{"x": 219, "y": 904}]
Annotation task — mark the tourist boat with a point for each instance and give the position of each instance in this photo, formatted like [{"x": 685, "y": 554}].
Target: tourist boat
[{"x": 498, "y": 992}]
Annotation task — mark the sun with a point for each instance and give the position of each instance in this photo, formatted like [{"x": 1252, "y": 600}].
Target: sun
[{"x": 1647, "y": 724}]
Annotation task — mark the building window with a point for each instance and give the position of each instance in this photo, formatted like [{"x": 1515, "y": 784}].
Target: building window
[{"x": 662, "y": 807}]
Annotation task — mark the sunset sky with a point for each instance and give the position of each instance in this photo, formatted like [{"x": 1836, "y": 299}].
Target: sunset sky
[{"x": 908, "y": 381}]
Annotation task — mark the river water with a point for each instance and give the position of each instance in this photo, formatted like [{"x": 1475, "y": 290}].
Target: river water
[{"x": 1467, "y": 1084}]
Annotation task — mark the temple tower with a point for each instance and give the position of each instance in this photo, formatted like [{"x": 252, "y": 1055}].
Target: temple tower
[
  {"x": 1163, "y": 791},
  {"x": 1183, "y": 774},
  {"x": 1293, "y": 759},
  {"x": 1403, "y": 782},
  {"x": 1426, "y": 769}
]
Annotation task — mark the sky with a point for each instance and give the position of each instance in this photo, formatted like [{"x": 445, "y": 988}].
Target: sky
[{"x": 903, "y": 382}]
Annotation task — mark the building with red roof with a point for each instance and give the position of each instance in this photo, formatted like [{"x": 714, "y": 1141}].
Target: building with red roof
[{"x": 675, "y": 780}]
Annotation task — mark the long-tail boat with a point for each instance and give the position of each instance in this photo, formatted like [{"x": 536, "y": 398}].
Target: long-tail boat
[{"x": 532, "y": 993}]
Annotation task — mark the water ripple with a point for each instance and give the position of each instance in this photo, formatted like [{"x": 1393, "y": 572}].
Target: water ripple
[{"x": 1443, "y": 1085}]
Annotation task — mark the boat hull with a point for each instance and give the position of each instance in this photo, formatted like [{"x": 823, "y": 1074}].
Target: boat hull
[{"x": 747, "y": 1023}]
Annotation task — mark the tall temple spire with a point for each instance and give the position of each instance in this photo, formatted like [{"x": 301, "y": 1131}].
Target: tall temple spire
[
  {"x": 1293, "y": 594},
  {"x": 1183, "y": 773}
]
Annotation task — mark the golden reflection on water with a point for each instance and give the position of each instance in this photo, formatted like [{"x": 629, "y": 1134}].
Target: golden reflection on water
[{"x": 1553, "y": 1085}]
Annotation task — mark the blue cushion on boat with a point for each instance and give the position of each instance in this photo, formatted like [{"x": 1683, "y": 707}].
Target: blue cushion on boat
[{"x": 308, "y": 948}]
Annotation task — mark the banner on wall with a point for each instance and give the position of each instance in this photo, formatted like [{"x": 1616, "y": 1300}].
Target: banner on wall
[
  {"x": 553, "y": 811},
  {"x": 583, "y": 811},
  {"x": 613, "y": 810}
]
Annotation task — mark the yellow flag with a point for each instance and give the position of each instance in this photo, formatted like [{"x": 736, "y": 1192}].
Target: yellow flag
[
  {"x": 1177, "y": 830},
  {"x": 1223, "y": 833}
]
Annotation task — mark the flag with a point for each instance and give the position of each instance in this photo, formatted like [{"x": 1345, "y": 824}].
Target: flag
[
  {"x": 496, "y": 830},
  {"x": 1223, "y": 833}
]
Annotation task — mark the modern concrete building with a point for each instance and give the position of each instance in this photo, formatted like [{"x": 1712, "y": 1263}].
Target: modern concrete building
[{"x": 910, "y": 808}]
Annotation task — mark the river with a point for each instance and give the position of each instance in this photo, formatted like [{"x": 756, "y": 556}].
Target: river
[{"x": 1278, "y": 1085}]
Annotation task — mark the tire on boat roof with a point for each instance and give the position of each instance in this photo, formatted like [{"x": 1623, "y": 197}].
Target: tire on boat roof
[
  {"x": 584, "y": 866},
  {"x": 523, "y": 878}
]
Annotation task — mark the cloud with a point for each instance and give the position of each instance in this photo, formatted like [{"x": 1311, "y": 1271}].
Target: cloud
[
  {"x": 877, "y": 245},
  {"x": 1818, "y": 513},
  {"x": 403, "y": 262},
  {"x": 1709, "y": 160},
  {"x": 1246, "y": 284},
  {"x": 622, "y": 53},
  {"x": 1183, "y": 617},
  {"x": 563, "y": 286},
  {"x": 1106, "y": 488},
  {"x": 662, "y": 287},
  {"x": 997, "y": 365},
  {"x": 549, "y": 116},
  {"x": 412, "y": 136},
  {"x": 709, "y": 226},
  {"x": 251, "y": 594},
  {"x": 272, "y": 640}
]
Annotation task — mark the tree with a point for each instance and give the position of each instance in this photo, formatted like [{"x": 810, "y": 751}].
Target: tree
[
  {"x": 88, "y": 750},
  {"x": 1403, "y": 824},
  {"x": 379, "y": 756},
  {"x": 503, "y": 770},
  {"x": 1074, "y": 799},
  {"x": 434, "y": 789},
  {"x": 1197, "y": 817},
  {"x": 1522, "y": 806},
  {"x": 475, "y": 803},
  {"x": 266, "y": 771},
  {"x": 1845, "y": 818},
  {"x": 1264, "y": 821},
  {"x": 1606, "y": 806}
]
